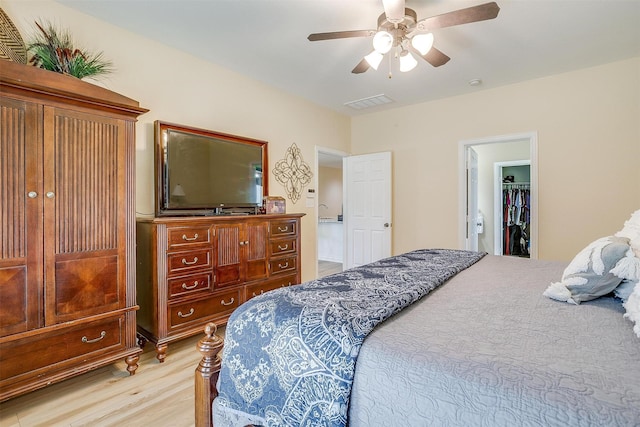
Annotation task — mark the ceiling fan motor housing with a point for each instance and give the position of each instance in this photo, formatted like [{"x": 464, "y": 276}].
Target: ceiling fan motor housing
[{"x": 401, "y": 29}]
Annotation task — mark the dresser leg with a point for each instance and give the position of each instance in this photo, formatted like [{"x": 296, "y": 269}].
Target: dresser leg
[
  {"x": 161, "y": 352},
  {"x": 132, "y": 364}
]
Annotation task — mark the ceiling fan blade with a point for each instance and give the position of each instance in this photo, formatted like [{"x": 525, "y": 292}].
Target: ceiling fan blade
[
  {"x": 394, "y": 10},
  {"x": 361, "y": 67},
  {"x": 457, "y": 17},
  {"x": 340, "y": 35},
  {"x": 435, "y": 57}
]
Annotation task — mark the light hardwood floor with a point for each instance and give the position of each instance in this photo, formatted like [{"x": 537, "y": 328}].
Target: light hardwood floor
[
  {"x": 157, "y": 395},
  {"x": 326, "y": 268}
]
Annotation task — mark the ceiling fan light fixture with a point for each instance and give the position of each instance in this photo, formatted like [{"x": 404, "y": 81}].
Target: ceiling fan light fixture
[
  {"x": 422, "y": 42},
  {"x": 374, "y": 59},
  {"x": 382, "y": 42},
  {"x": 407, "y": 61}
]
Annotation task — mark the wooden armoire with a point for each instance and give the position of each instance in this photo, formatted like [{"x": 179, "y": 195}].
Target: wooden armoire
[{"x": 67, "y": 228}]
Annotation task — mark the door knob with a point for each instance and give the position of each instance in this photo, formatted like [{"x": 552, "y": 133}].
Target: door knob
[
  {"x": 386, "y": 225},
  {"x": 50, "y": 194},
  {"x": 32, "y": 194}
]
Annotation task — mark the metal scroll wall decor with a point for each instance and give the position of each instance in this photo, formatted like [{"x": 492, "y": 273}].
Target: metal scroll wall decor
[{"x": 293, "y": 173}]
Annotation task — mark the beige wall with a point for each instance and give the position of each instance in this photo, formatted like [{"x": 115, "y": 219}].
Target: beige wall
[
  {"x": 588, "y": 155},
  {"x": 329, "y": 192},
  {"x": 183, "y": 89}
]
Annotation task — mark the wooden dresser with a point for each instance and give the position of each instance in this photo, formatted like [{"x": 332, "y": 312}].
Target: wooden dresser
[
  {"x": 193, "y": 270},
  {"x": 67, "y": 224}
]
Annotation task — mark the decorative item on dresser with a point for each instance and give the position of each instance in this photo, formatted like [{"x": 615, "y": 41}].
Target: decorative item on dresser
[
  {"x": 67, "y": 223},
  {"x": 194, "y": 270}
]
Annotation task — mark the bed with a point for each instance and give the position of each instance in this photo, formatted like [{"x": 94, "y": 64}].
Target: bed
[{"x": 483, "y": 348}]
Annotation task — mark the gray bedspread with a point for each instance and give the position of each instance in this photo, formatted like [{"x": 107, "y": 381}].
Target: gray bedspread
[{"x": 488, "y": 349}]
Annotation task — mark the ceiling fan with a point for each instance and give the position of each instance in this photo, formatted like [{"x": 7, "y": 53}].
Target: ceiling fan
[{"x": 399, "y": 28}]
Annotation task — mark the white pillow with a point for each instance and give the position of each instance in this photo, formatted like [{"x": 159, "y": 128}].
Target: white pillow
[
  {"x": 631, "y": 231},
  {"x": 592, "y": 272},
  {"x": 632, "y": 306}
]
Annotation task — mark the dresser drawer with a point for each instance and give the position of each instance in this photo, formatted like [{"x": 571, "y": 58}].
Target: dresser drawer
[
  {"x": 283, "y": 246},
  {"x": 283, "y": 265},
  {"x": 41, "y": 351},
  {"x": 194, "y": 283},
  {"x": 181, "y": 262},
  {"x": 282, "y": 228},
  {"x": 199, "y": 310},
  {"x": 188, "y": 236},
  {"x": 262, "y": 287}
]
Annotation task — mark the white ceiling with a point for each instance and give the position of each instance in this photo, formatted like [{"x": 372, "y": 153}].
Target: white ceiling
[{"x": 267, "y": 40}]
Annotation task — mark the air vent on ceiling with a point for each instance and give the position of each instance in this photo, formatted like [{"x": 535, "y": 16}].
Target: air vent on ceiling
[{"x": 372, "y": 101}]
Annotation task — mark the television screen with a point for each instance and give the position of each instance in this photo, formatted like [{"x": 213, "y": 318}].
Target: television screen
[{"x": 203, "y": 170}]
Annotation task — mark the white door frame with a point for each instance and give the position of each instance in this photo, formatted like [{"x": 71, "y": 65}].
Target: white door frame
[
  {"x": 532, "y": 137},
  {"x": 472, "y": 200},
  {"x": 498, "y": 219}
]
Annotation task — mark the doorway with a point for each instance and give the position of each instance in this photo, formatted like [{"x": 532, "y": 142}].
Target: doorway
[
  {"x": 329, "y": 199},
  {"x": 491, "y": 150}
]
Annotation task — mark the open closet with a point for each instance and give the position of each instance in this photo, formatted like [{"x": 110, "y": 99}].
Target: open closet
[{"x": 516, "y": 210}]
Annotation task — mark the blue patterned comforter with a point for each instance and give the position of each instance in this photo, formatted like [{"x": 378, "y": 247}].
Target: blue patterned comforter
[{"x": 290, "y": 354}]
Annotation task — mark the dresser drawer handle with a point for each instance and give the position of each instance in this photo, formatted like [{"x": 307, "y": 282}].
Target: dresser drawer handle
[
  {"x": 88, "y": 341},
  {"x": 285, "y": 247},
  {"x": 223, "y": 302},
  {"x": 195, "y": 285},
  {"x": 286, "y": 264},
  {"x": 282, "y": 230},
  {"x": 185, "y": 262},
  {"x": 284, "y": 285},
  {"x": 190, "y": 239},
  {"x": 261, "y": 292},
  {"x": 186, "y": 315}
]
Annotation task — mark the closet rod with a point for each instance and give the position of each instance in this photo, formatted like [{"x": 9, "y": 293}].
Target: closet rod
[{"x": 518, "y": 185}]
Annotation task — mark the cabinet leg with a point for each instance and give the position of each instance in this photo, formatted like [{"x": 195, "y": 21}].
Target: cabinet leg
[
  {"x": 132, "y": 364},
  {"x": 161, "y": 352}
]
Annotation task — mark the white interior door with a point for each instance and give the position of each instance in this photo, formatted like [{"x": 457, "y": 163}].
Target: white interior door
[
  {"x": 367, "y": 204},
  {"x": 472, "y": 199}
]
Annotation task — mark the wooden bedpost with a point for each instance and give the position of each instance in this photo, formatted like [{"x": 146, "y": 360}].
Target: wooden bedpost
[{"x": 207, "y": 374}]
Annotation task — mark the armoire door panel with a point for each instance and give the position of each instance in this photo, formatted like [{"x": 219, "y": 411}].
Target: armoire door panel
[
  {"x": 86, "y": 286},
  {"x": 20, "y": 216},
  {"x": 86, "y": 182},
  {"x": 13, "y": 300},
  {"x": 84, "y": 220}
]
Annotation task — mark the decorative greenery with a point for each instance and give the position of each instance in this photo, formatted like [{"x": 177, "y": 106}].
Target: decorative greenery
[{"x": 53, "y": 50}]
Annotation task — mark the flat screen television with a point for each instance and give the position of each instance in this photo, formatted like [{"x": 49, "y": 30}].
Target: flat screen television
[{"x": 202, "y": 172}]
